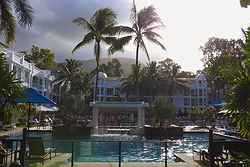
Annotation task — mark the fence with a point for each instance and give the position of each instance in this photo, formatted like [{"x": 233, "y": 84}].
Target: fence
[{"x": 117, "y": 152}]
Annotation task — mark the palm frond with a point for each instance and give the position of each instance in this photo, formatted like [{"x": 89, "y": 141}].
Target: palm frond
[
  {"x": 84, "y": 23},
  {"x": 118, "y": 44},
  {"x": 8, "y": 22},
  {"x": 86, "y": 40},
  {"x": 114, "y": 30},
  {"x": 109, "y": 40},
  {"x": 154, "y": 27},
  {"x": 148, "y": 17},
  {"x": 143, "y": 46},
  {"x": 103, "y": 18},
  {"x": 151, "y": 34},
  {"x": 155, "y": 41},
  {"x": 24, "y": 12}
]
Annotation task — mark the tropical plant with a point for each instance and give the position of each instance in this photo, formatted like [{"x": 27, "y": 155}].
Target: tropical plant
[
  {"x": 112, "y": 68},
  {"x": 101, "y": 28},
  {"x": 150, "y": 80},
  {"x": 12, "y": 11},
  {"x": 162, "y": 111},
  {"x": 129, "y": 83},
  {"x": 67, "y": 73},
  {"x": 42, "y": 58},
  {"x": 144, "y": 23},
  {"x": 10, "y": 87},
  {"x": 75, "y": 88},
  {"x": 238, "y": 100}
]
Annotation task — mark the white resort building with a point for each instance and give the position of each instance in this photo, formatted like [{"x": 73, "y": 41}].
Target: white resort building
[
  {"x": 29, "y": 75},
  {"x": 191, "y": 92}
]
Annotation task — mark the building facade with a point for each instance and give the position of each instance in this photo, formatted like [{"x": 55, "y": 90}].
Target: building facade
[
  {"x": 190, "y": 93},
  {"x": 29, "y": 75}
]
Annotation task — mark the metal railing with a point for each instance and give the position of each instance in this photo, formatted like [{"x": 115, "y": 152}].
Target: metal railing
[{"x": 19, "y": 148}]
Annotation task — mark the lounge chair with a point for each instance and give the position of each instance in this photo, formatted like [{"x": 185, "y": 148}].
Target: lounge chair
[
  {"x": 37, "y": 151},
  {"x": 217, "y": 151},
  {"x": 3, "y": 156}
]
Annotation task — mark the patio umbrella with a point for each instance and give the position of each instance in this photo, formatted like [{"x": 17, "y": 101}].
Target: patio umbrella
[{"x": 31, "y": 96}]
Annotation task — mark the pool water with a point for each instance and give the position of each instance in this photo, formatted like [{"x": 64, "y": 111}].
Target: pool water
[{"x": 105, "y": 148}]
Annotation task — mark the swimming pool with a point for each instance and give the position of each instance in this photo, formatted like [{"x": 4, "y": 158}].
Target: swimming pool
[{"x": 105, "y": 148}]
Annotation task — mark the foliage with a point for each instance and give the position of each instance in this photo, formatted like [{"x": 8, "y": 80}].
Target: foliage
[
  {"x": 154, "y": 78},
  {"x": 10, "y": 87},
  {"x": 219, "y": 56},
  {"x": 112, "y": 68},
  {"x": 42, "y": 58},
  {"x": 101, "y": 28},
  {"x": 205, "y": 116},
  {"x": 238, "y": 101},
  {"x": 185, "y": 74},
  {"x": 11, "y": 12},
  {"x": 129, "y": 83},
  {"x": 163, "y": 110},
  {"x": 74, "y": 85},
  {"x": 244, "y": 3},
  {"x": 144, "y": 23}
]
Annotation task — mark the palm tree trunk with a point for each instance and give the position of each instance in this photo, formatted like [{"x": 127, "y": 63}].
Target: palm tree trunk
[
  {"x": 97, "y": 70},
  {"x": 137, "y": 71}
]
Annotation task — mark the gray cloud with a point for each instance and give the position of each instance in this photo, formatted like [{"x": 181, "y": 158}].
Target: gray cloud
[{"x": 53, "y": 28}]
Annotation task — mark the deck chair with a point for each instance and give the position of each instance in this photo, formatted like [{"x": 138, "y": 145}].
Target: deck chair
[
  {"x": 3, "y": 156},
  {"x": 217, "y": 150},
  {"x": 37, "y": 152}
]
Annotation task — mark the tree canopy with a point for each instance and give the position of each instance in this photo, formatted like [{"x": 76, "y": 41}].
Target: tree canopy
[
  {"x": 112, "y": 68},
  {"x": 42, "y": 58}
]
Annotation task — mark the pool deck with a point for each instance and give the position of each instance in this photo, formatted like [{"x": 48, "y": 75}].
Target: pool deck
[{"x": 64, "y": 160}]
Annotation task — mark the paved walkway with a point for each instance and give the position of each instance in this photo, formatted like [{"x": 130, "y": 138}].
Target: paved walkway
[{"x": 64, "y": 160}]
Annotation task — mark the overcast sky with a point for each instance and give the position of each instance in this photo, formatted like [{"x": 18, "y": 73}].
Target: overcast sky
[{"x": 189, "y": 24}]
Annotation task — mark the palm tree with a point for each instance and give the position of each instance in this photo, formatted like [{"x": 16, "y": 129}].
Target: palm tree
[
  {"x": 10, "y": 12},
  {"x": 68, "y": 72},
  {"x": 144, "y": 24},
  {"x": 100, "y": 28}
]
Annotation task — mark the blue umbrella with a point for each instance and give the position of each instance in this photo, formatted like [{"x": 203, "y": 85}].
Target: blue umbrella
[{"x": 31, "y": 96}]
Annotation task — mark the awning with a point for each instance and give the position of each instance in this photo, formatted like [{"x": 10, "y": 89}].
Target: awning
[{"x": 34, "y": 97}]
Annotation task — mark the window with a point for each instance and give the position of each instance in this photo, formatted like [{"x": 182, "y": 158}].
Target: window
[
  {"x": 192, "y": 92},
  {"x": 109, "y": 91},
  {"x": 41, "y": 82},
  {"x": 117, "y": 91},
  {"x": 19, "y": 73},
  {"x": 204, "y": 101},
  {"x": 200, "y": 92},
  {"x": 186, "y": 101},
  {"x": 46, "y": 83},
  {"x": 102, "y": 91},
  {"x": 193, "y": 102},
  {"x": 26, "y": 76},
  {"x": 200, "y": 101}
]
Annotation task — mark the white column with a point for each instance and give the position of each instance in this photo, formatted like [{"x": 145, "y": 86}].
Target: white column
[
  {"x": 141, "y": 117},
  {"x": 95, "y": 120}
]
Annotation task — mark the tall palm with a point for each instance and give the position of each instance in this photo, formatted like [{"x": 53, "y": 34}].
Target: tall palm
[
  {"x": 100, "y": 29},
  {"x": 12, "y": 11},
  {"x": 68, "y": 72},
  {"x": 144, "y": 24}
]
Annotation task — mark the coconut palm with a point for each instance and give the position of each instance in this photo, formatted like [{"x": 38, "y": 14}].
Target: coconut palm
[
  {"x": 11, "y": 12},
  {"x": 144, "y": 24},
  {"x": 100, "y": 29},
  {"x": 68, "y": 72}
]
